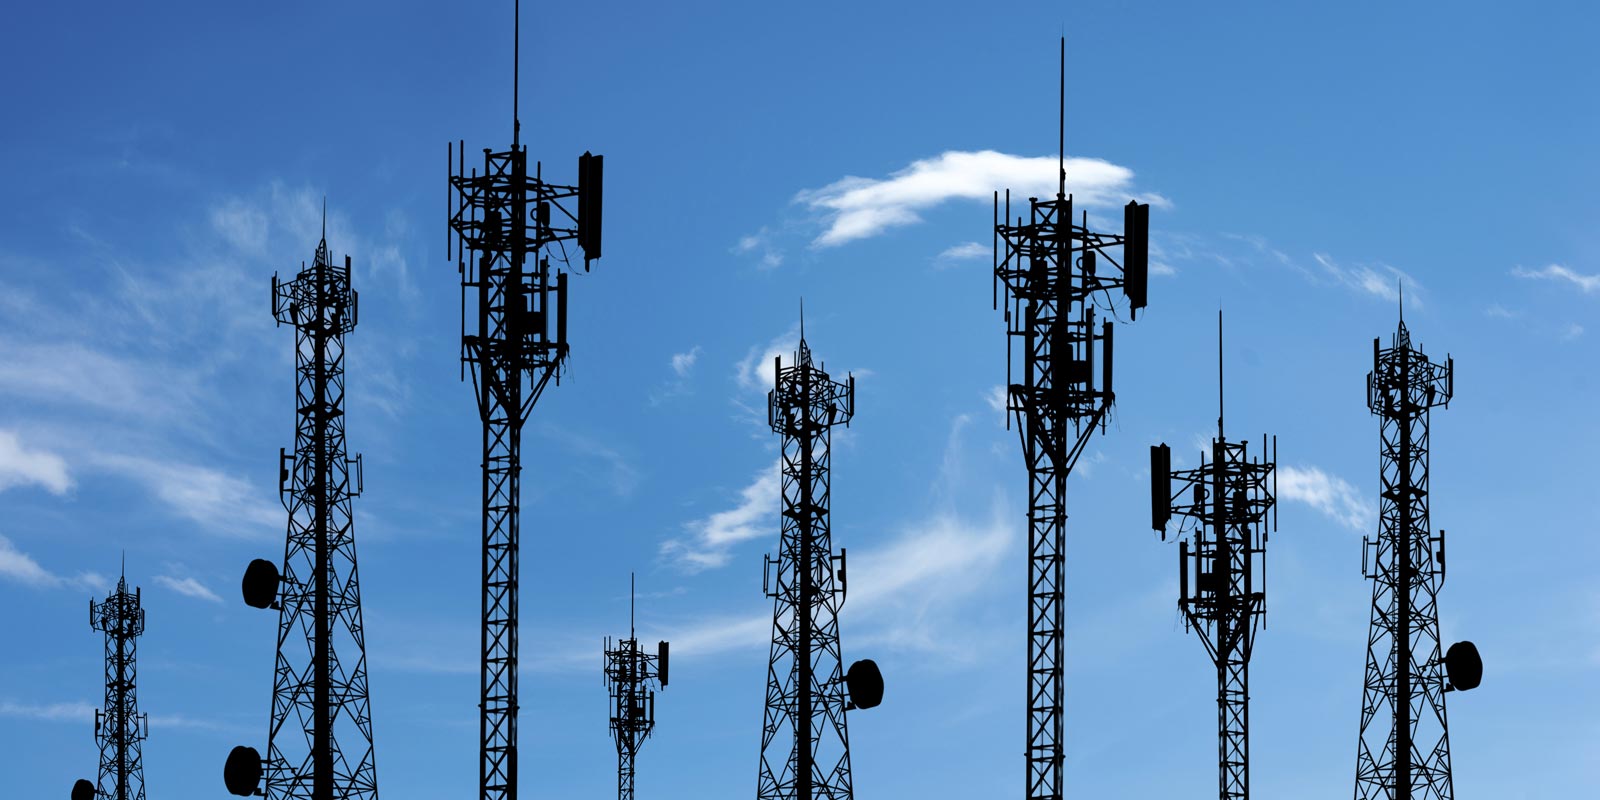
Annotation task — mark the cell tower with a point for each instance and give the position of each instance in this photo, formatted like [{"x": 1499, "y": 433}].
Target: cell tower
[
  {"x": 805, "y": 745},
  {"x": 119, "y": 728},
  {"x": 1225, "y": 503},
  {"x": 1052, "y": 270},
  {"x": 506, "y": 225},
  {"x": 319, "y": 743},
  {"x": 1406, "y": 677},
  {"x": 631, "y": 677}
]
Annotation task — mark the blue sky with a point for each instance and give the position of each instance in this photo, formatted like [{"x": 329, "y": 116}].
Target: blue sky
[{"x": 162, "y": 161}]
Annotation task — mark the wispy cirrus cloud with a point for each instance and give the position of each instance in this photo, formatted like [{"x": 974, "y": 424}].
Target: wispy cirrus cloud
[
  {"x": 857, "y": 208},
  {"x": 188, "y": 587},
  {"x": 1556, "y": 272},
  {"x": 710, "y": 538},
  {"x": 20, "y": 567},
  {"x": 1331, "y": 495},
  {"x": 24, "y": 466},
  {"x": 219, "y": 502}
]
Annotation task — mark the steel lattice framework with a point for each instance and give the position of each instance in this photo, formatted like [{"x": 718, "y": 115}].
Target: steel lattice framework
[
  {"x": 119, "y": 728},
  {"x": 631, "y": 678},
  {"x": 320, "y": 742},
  {"x": 1225, "y": 502},
  {"x": 1405, "y": 673},
  {"x": 507, "y": 226},
  {"x": 1052, "y": 270},
  {"x": 805, "y": 744}
]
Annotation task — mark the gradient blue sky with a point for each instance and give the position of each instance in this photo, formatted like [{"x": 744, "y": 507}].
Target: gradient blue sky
[{"x": 161, "y": 161}]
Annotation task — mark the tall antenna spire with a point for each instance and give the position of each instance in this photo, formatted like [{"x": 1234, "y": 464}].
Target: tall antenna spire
[
  {"x": 516, "y": 70},
  {"x": 802, "y": 319},
  {"x": 1061, "y": 124},
  {"x": 630, "y": 605},
  {"x": 324, "y": 218},
  {"x": 1401, "y": 284},
  {"x": 1220, "y": 434}
]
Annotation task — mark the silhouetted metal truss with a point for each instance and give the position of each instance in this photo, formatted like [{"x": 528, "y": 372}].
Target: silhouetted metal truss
[
  {"x": 1225, "y": 502},
  {"x": 320, "y": 742},
  {"x": 1053, "y": 270},
  {"x": 631, "y": 677},
  {"x": 119, "y": 728},
  {"x": 507, "y": 225},
  {"x": 805, "y": 745},
  {"x": 1405, "y": 673}
]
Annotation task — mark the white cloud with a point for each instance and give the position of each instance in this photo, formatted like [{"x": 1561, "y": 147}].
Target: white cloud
[
  {"x": 218, "y": 502},
  {"x": 755, "y": 371},
  {"x": 896, "y": 593},
  {"x": 22, "y": 568},
  {"x": 1329, "y": 494},
  {"x": 997, "y": 397},
  {"x": 50, "y": 712},
  {"x": 1381, "y": 280},
  {"x": 188, "y": 587},
  {"x": 1573, "y": 331},
  {"x": 966, "y": 251},
  {"x": 1556, "y": 272},
  {"x": 858, "y": 208},
  {"x": 761, "y": 242},
  {"x": 682, "y": 363},
  {"x": 1499, "y": 312},
  {"x": 20, "y": 466},
  {"x": 754, "y": 516}
]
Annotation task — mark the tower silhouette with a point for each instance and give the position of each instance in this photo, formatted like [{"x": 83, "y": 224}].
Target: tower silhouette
[
  {"x": 631, "y": 677},
  {"x": 805, "y": 744},
  {"x": 1406, "y": 676},
  {"x": 1055, "y": 272},
  {"x": 319, "y": 741},
  {"x": 119, "y": 728},
  {"x": 507, "y": 224},
  {"x": 1225, "y": 502}
]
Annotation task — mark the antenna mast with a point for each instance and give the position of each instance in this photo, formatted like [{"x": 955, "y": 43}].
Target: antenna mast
[
  {"x": 1228, "y": 500},
  {"x": 119, "y": 727},
  {"x": 805, "y": 743},
  {"x": 506, "y": 225},
  {"x": 1053, "y": 270},
  {"x": 632, "y": 677},
  {"x": 319, "y": 738},
  {"x": 1406, "y": 677}
]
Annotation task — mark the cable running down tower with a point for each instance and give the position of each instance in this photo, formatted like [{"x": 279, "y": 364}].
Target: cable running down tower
[
  {"x": 506, "y": 226},
  {"x": 1055, "y": 274},
  {"x": 1406, "y": 677},
  {"x": 319, "y": 743},
  {"x": 119, "y": 728},
  {"x": 631, "y": 677},
  {"x": 805, "y": 744},
  {"x": 1225, "y": 502}
]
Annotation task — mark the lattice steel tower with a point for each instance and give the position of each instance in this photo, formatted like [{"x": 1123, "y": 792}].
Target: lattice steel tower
[
  {"x": 1406, "y": 677},
  {"x": 1053, "y": 271},
  {"x": 508, "y": 224},
  {"x": 319, "y": 743},
  {"x": 1225, "y": 503},
  {"x": 119, "y": 728},
  {"x": 631, "y": 677},
  {"x": 805, "y": 745}
]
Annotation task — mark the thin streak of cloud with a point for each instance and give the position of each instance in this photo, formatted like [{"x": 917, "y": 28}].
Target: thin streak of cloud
[{"x": 1557, "y": 272}]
